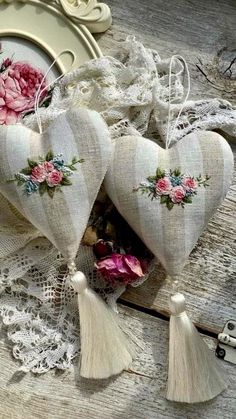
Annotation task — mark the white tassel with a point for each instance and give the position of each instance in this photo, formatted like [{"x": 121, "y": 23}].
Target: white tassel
[
  {"x": 104, "y": 350},
  {"x": 194, "y": 375}
]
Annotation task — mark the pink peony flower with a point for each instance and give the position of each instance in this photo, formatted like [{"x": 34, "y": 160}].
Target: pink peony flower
[
  {"x": 39, "y": 173},
  {"x": 177, "y": 194},
  {"x": 122, "y": 268},
  {"x": 163, "y": 186},
  {"x": 189, "y": 184},
  {"x": 18, "y": 86},
  {"x": 54, "y": 178}
]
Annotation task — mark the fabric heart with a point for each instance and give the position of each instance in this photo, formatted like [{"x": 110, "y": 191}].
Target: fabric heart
[
  {"x": 53, "y": 178},
  {"x": 168, "y": 196}
]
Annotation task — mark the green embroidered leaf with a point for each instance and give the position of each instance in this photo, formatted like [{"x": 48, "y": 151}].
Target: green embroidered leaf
[
  {"x": 42, "y": 188},
  {"x": 51, "y": 191},
  {"x": 160, "y": 173},
  {"x": 32, "y": 163},
  {"x": 187, "y": 200},
  {"x": 49, "y": 156},
  {"x": 177, "y": 172},
  {"x": 71, "y": 167},
  {"x": 26, "y": 171},
  {"x": 169, "y": 204},
  {"x": 75, "y": 160},
  {"x": 12, "y": 180},
  {"x": 66, "y": 182},
  {"x": 152, "y": 178},
  {"x": 164, "y": 199}
]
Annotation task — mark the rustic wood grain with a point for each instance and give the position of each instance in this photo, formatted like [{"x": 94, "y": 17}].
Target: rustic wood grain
[
  {"x": 203, "y": 32},
  {"x": 135, "y": 394}
]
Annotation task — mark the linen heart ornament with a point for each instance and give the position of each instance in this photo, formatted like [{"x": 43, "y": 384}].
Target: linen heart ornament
[
  {"x": 53, "y": 179},
  {"x": 167, "y": 197}
]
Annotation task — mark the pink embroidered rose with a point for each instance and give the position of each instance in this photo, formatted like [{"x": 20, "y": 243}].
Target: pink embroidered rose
[
  {"x": 54, "y": 178},
  {"x": 189, "y": 184},
  {"x": 122, "y": 268},
  {"x": 18, "y": 86},
  {"x": 39, "y": 173},
  {"x": 163, "y": 186},
  {"x": 177, "y": 194},
  {"x": 48, "y": 166}
]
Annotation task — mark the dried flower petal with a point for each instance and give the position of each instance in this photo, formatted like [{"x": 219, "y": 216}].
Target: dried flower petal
[{"x": 120, "y": 268}]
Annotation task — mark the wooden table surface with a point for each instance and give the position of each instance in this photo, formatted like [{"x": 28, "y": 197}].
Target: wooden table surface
[{"x": 204, "y": 33}]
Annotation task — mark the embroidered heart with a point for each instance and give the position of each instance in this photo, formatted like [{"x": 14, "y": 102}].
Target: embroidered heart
[
  {"x": 168, "y": 196},
  {"x": 53, "y": 178}
]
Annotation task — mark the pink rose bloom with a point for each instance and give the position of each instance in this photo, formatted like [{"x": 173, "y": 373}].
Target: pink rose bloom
[
  {"x": 18, "y": 86},
  {"x": 189, "y": 184},
  {"x": 177, "y": 194},
  {"x": 48, "y": 166},
  {"x": 122, "y": 268},
  {"x": 54, "y": 178},
  {"x": 163, "y": 186},
  {"x": 39, "y": 173}
]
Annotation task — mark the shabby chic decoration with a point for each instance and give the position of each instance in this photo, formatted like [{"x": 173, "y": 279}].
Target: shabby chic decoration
[
  {"x": 171, "y": 231},
  {"x": 130, "y": 90}
]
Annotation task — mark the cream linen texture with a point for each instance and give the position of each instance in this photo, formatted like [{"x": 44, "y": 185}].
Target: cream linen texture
[
  {"x": 63, "y": 218},
  {"x": 169, "y": 234}
]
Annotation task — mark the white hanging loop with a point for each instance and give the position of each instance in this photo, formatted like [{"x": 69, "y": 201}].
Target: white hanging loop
[
  {"x": 170, "y": 132},
  {"x": 40, "y": 90}
]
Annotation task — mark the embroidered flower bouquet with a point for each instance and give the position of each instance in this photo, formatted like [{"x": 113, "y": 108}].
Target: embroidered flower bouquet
[
  {"x": 171, "y": 187},
  {"x": 47, "y": 174}
]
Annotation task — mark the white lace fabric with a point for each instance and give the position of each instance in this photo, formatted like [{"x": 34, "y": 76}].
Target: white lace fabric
[{"x": 131, "y": 91}]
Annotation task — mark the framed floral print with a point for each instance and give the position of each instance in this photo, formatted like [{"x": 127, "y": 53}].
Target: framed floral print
[{"x": 34, "y": 33}]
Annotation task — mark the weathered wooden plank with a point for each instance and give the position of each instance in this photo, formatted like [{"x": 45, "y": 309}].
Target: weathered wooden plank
[
  {"x": 195, "y": 32},
  {"x": 204, "y": 33},
  {"x": 135, "y": 394}
]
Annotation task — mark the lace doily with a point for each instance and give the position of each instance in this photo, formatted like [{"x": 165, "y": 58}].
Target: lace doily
[{"x": 131, "y": 91}]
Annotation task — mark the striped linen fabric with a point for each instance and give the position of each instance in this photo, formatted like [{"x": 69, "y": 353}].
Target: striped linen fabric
[
  {"x": 63, "y": 217},
  {"x": 171, "y": 233}
]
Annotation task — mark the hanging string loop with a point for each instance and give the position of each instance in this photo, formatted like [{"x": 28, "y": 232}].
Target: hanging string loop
[
  {"x": 184, "y": 67},
  {"x": 41, "y": 90}
]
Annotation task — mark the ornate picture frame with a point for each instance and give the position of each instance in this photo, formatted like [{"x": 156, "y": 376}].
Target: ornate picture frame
[{"x": 55, "y": 26}]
